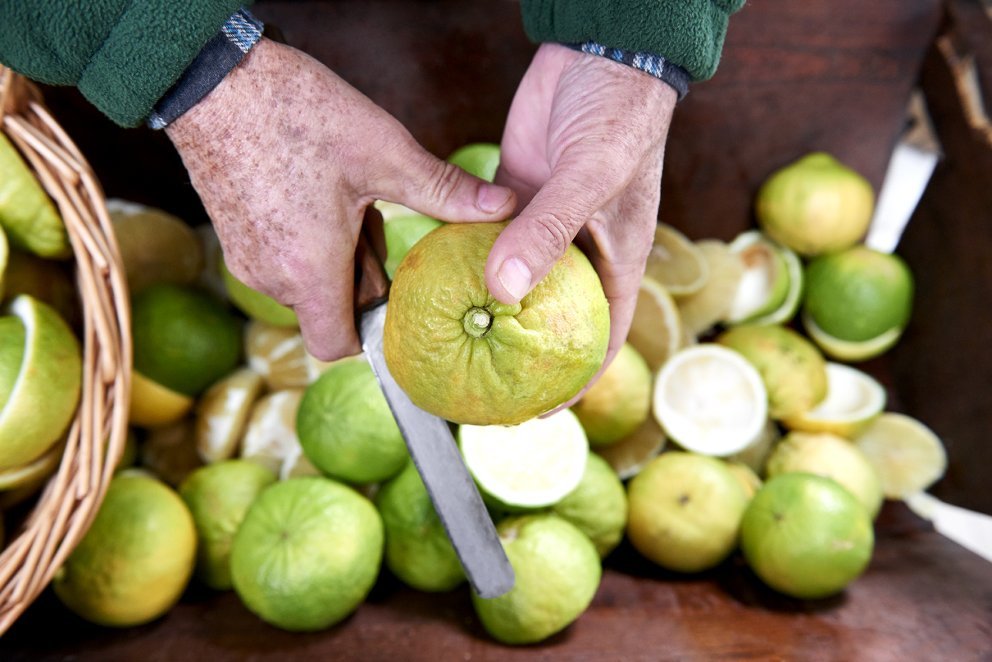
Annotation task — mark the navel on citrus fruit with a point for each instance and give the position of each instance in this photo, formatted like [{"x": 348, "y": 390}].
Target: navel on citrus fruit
[{"x": 462, "y": 355}]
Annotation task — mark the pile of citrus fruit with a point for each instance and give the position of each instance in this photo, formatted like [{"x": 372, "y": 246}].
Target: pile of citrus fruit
[{"x": 731, "y": 421}]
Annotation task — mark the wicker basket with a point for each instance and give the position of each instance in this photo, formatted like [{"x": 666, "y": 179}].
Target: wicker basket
[{"x": 67, "y": 504}]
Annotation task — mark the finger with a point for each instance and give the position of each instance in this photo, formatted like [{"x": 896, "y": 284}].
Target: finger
[{"x": 416, "y": 178}]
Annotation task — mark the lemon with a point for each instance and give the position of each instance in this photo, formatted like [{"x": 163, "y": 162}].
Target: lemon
[
  {"x": 346, "y": 427},
  {"x": 460, "y": 354},
  {"x": 401, "y": 234},
  {"x": 218, "y": 496},
  {"x": 710, "y": 400},
  {"x": 280, "y": 357},
  {"x": 815, "y": 205},
  {"x": 620, "y": 400},
  {"x": 307, "y": 553},
  {"x": 854, "y": 399},
  {"x": 254, "y": 304},
  {"x": 702, "y": 310},
  {"x": 857, "y": 302},
  {"x": 153, "y": 405},
  {"x": 183, "y": 339},
  {"x": 530, "y": 465},
  {"x": 629, "y": 455},
  {"x": 792, "y": 368},
  {"x": 806, "y": 536},
  {"x": 770, "y": 289},
  {"x": 685, "y": 511},
  {"x": 597, "y": 506},
  {"x": 155, "y": 246},
  {"x": 480, "y": 159},
  {"x": 27, "y": 214},
  {"x": 270, "y": 437},
  {"x": 828, "y": 455},
  {"x": 418, "y": 550},
  {"x": 136, "y": 558},
  {"x": 169, "y": 451},
  {"x": 42, "y": 398},
  {"x": 675, "y": 262},
  {"x": 222, "y": 414},
  {"x": 557, "y": 573},
  {"x": 906, "y": 454},
  {"x": 656, "y": 330}
]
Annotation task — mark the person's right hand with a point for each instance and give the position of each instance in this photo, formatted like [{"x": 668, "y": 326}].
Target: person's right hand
[{"x": 286, "y": 157}]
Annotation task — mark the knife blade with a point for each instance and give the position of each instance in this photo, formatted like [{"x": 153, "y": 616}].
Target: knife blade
[
  {"x": 970, "y": 529},
  {"x": 432, "y": 446}
]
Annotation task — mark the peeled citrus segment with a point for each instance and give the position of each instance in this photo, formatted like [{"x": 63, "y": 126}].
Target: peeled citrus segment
[
  {"x": 270, "y": 437},
  {"x": 656, "y": 331},
  {"x": 279, "y": 356},
  {"x": 676, "y": 262},
  {"x": 530, "y": 465},
  {"x": 710, "y": 400},
  {"x": 44, "y": 396},
  {"x": 32, "y": 472},
  {"x": 770, "y": 289},
  {"x": 222, "y": 413},
  {"x": 27, "y": 214},
  {"x": 853, "y": 400},
  {"x": 153, "y": 405},
  {"x": 632, "y": 453},
  {"x": 702, "y": 310},
  {"x": 851, "y": 350},
  {"x": 907, "y": 455},
  {"x": 155, "y": 246}
]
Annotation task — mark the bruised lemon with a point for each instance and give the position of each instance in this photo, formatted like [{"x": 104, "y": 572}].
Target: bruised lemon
[{"x": 464, "y": 356}]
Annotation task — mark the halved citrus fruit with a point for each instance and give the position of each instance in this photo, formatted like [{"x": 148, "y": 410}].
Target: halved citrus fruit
[
  {"x": 656, "y": 331},
  {"x": 908, "y": 456},
  {"x": 676, "y": 262},
  {"x": 854, "y": 398}
]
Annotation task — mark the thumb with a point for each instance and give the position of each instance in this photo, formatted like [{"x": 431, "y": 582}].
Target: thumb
[{"x": 538, "y": 237}]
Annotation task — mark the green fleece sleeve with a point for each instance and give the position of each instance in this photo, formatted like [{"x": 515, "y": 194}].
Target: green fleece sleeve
[
  {"x": 688, "y": 33},
  {"x": 123, "y": 55}
]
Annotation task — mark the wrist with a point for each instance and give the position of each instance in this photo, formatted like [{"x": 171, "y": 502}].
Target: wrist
[{"x": 649, "y": 63}]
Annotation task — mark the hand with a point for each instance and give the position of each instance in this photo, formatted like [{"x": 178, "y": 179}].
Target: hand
[
  {"x": 583, "y": 149},
  {"x": 286, "y": 157}
]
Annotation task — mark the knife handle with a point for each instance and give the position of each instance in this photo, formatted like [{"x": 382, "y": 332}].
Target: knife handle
[{"x": 371, "y": 282}]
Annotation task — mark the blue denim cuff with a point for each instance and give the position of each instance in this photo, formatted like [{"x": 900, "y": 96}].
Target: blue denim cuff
[
  {"x": 651, "y": 64},
  {"x": 223, "y": 52}
]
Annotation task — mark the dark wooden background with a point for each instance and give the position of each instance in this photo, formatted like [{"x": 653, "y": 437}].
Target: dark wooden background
[{"x": 795, "y": 77}]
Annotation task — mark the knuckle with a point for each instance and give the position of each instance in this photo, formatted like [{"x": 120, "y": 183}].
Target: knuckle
[
  {"x": 552, "y": 236},
  {"x": 444, "y": 179}
]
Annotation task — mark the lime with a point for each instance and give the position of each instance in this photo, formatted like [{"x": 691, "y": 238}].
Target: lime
[
  {"x": 418, "y": 550},
  {"x": 401, "y": 234},
  {"x": 770, "y": 289},
  {"x": 169, "y": 451},
  {"x": 270, "y": 437},
  {"x": 828, "y": 455},
  {"x": 815, "y": 205},
  {"x": 792, "y": 368},
  {"x": 136, "y": 558},
  {"x": 710, "y": 400},
  {"x": 480, "y": 159},
  {"x": 675, "y": 262},
  {"x": 530, "y": 465},
  {"x": 806, "y": 536},
  {"x": 656, "y": 331},
  {"x": 155, "y": 246},
  {"x": 702, "y": 310},
  {"x": 460, "y": 354},
  {"x": 629, "y": 455},
  {"x": 277, "y": 353},
  {"x": 218, "y": 496},
  {"x": 906, "y": 454},
  {"x": 153, "y": 405},
  {"x": 183, "y": 338},
  {"x": 27, "y": 214},
  {"x": 34, "y": 472},
  {"x": 41, "y": 400},
  {"x": 620, "y": 400},
  {"x": 557, "y": 573},
  {"x": 598, "y": 506},
  {"x": 857, "y": 302},
  {"x": 307, "y": 553},
  {"x": 254, "y": 304},
  {"x": 685, "y": 511},
  {"x": 346, "y": 427},
  {"x": 222, "y": 414},
  {"x": 46, "y": 280},
  {"x": 854, "y": 399}
]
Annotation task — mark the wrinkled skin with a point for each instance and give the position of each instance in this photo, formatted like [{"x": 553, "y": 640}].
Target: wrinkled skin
[{"x": 286, "y": 157}]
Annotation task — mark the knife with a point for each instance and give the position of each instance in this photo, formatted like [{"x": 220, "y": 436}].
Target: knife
[
  {"x": 431, "y": 444},
  {"x": 972, "y": 530}
]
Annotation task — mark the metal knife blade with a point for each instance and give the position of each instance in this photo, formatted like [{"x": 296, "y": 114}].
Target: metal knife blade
[{"x": 970, "y": 529}]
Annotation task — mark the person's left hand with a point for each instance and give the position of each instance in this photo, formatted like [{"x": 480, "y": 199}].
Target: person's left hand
[{"x": 583, "y": 149}]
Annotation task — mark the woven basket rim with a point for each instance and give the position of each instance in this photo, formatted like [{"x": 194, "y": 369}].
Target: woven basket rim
[{"x": 95, "y": 441}]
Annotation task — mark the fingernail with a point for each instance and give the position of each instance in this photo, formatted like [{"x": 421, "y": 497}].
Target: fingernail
[
  {"x": 515, "y": 277},
  {"x": 491, "y": 198}
]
